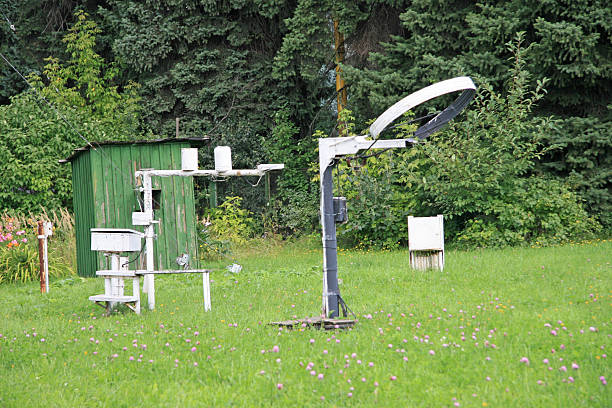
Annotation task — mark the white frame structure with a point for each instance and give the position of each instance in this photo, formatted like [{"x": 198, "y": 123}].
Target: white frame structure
[
  {"x": 146, "y": 218},
  {"x": 114, "y": 277}
]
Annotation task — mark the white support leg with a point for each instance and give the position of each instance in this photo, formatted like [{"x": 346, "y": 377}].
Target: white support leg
[
  {"x": 135, "y": 284},
  {"x": 108, "y": 287},
  {"x": 206, "y": 289},
  {"x": 123, "y": 265},
  {"x": 46, "y": 263},
  {"x": 136, "y": 293},
  {"x": 114, "y": 282},
  {"x": 151, "y": 291}
]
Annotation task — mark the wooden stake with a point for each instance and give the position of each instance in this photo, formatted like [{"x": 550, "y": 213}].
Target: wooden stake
[{"x": 341, "y": 96}]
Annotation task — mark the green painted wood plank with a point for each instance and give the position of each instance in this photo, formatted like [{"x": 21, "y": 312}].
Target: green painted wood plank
[
  {"x": 119, "y": 188},
  {"x": 83, "y": 209},
  {"x": 175, "y": 207},
  {"x": 114, "y": 187},
  {"x": 165, "y": 184},
  {"x": 79, "y": 212},
  {"x": 98, "y": 197},
  {"x": 104, "y": 171},
  {"x": 151, "y": 154},
  {"x": 137, "y": 164}
]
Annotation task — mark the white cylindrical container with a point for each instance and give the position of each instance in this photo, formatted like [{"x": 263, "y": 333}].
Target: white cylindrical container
[
  {"x": 189, "y": 159},
  {"x": 223, "y": 158}
]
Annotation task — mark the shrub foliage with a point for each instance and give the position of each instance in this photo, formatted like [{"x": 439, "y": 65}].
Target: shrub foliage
[
  {"x": 76, "y": 102},
  {"x": 480, "y": 173}
]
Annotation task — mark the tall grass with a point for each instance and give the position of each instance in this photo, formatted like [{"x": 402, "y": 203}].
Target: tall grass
[
  {"x": 61, "y": 218},
  {"x": 507, "y": 328},
  {"x": 19, "y": 260}
]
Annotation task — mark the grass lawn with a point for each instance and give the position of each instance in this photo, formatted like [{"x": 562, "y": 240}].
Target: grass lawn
[{"x": 501, "y": 328}]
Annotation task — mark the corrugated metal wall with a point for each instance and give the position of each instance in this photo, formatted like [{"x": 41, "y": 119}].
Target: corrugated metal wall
[{"x": 105, "y": 196}]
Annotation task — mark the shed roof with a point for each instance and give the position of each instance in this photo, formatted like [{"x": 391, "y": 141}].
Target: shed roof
[{"x": 194, "y": 141}]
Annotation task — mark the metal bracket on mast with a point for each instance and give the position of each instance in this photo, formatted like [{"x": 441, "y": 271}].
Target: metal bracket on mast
[{"x": 334, "y": 147}]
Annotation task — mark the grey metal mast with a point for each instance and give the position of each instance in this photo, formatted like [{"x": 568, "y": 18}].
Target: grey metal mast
[
  {"x": 331, "y": 292},
  {"x": 332, "y": 148}
]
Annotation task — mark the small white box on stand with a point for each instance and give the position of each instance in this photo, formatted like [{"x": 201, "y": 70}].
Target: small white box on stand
[
  {"x": 116, "y": 240},
  {"x": 426, "y": 242},
  {"x": 142, "y": 218}
]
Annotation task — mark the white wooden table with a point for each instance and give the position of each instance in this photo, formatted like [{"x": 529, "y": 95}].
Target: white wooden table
[{"x": 114, "y": 287}]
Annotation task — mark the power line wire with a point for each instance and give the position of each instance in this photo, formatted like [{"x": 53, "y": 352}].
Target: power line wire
[
  {"x": 11, "y": 25},
  {"x": 99, "y": 148}
]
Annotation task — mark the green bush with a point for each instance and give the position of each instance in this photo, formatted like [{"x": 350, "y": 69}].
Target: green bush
[
  {"x": 19, "y": 261},
  {"x": 81, "y": 100},
  {"x": 21, "y": 264},
  {"x": 211, "y": 248},
  {"x": 584, "y": 157},
  {"x": 377, "y": 205},
  {"x": 294, "y": 215},
  {"x": 538, "y": 211},
  {"x": 230, "y": 222},
  {"x": 480, "y": 173},
  {"x": 296, "y": 200}
]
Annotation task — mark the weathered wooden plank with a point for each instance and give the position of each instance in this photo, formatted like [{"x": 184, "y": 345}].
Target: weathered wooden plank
[
  {"x": 83, "y": 213},
  {"x": 160, "y": 245},
  {"x": 169, "y": 158}
]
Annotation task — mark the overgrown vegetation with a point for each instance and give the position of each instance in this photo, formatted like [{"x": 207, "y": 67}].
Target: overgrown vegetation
[
  {"x": 231, "y": 222},
  {"x": 480, "y": 173},
  {"x": 259, "y": 76},
  {"x": 76, "y": 101},
  {"x": 295, "y": 205},
  {"x": 19, "y": 259}
]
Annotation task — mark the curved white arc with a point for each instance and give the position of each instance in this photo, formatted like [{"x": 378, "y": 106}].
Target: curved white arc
[{"x": 417, "y": 98}]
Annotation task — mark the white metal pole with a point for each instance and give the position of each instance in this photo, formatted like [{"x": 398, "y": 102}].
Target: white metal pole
[
  {"x": 149, "y": 280},
  {"x": 123, "y": 265},
  {"x": 136, "y": 293},
  {"x": 206, "y": 288},
  {"x": 46, "y": 262}
]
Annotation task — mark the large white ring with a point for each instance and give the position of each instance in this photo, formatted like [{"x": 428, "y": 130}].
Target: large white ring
[{"x": 464, "y": 84}]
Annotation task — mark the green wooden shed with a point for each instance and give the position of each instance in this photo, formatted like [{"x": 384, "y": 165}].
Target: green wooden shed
[{"x": 105, "y": 194}]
